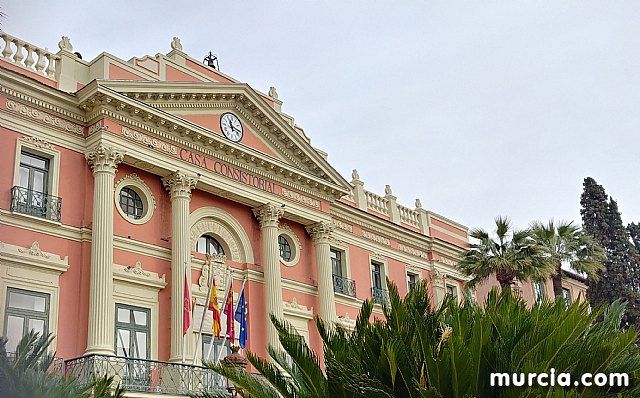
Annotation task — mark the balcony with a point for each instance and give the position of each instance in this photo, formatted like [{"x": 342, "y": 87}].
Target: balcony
[
  {"x": 380, "y": 296},
  {"x": 36, "y": 204},
  {"x": 146, "y": 376},
  {"x": 344, "y": 286}
]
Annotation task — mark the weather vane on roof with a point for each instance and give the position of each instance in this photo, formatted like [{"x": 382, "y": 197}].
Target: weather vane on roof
[{"x": 211, "y": 61}]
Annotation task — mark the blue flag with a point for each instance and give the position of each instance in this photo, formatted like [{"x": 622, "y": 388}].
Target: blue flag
[{"x": 241, "y": 317}]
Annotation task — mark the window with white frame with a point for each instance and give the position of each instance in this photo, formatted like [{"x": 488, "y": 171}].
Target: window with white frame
[
  {"x": 452, "y": 290},
  {"x": 25, "y": 311},
  {"x": 209, "y": 245},
  {"x": 133, "y": 330},
  {"x": 210, "y": 354},
  {"x": 539, "y": 290},
  {"x": 412, "y": 279}
]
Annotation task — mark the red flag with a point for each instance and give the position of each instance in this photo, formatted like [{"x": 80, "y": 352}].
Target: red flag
[
  {"x": 186, "y": 313},
  {"x": 228, "y": 311}
]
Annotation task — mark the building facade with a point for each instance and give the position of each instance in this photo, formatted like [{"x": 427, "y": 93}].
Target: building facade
[{"x": 118, "y": 178}]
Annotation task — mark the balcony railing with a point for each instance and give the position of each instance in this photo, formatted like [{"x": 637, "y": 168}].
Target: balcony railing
[
  {"x": 380, "y": 296},
  {"x": 146, "y": 376},
  {"x": 344, "y": 286},
  {"x": 36, "y": 203}
]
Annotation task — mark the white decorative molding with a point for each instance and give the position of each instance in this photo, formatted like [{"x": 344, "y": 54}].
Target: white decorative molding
[
  {"x": 226, "y": 229},
  {"x": 293, "y": 308},
  {"x": 137, "y": 275},
  {"x": 342, "y": 225},
  {"x": 294, "y": 242},
  {"x": 44, "y": 117},
  {"x": 214, "y": 263},
  {"x": 376, "y": 238},
  {"x": 346, "y": 322},
  {"x": 33, "y": 257},
  {"x": 142, "y": 189},
  {"x": 36, "y": 142}
]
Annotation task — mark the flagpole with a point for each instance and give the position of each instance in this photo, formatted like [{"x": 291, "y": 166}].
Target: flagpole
[
  {"x": 224, "y": 340},
  {"x": 226, "y": 294},
  {"x": 204, "y": 312}
]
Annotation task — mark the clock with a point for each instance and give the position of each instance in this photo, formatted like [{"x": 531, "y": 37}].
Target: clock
[{"x": 231, "y": 126}]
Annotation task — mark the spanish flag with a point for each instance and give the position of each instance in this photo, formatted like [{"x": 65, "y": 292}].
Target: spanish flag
[{"x": 213, "y": 306}]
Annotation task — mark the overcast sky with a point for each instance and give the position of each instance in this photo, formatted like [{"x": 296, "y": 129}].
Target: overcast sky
[{"x": 477, "y": 108}]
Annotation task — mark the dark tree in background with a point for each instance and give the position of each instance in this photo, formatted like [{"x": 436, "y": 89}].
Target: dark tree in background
[
  {"x": 621, "y": 279},
  {"x": 634, "y": 231}
]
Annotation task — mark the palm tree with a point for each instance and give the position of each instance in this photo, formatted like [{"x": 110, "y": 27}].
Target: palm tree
[
  {"x": 418, "y": 350},
  {"x": 28, "y": 373},
  {"x": 511, "y": 255},
  {"x": 565, "y": 242}
]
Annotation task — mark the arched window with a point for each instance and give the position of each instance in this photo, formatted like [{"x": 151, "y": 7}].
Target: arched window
[
  {"x": 285, "y": 248},
  {"x": 208, "y": 245}
]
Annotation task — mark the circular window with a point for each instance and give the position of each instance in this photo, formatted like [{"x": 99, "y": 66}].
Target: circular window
[
  {"x": 134, "y": 200},
  {"x": 285, "y": 248},
  {"x": 208, "y": 245},
  {"x": 131, "y": 203}
]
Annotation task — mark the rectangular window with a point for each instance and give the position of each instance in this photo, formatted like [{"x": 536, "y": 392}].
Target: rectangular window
[
  {"x": 31, "y": 194},
  {"x": 376, "y": 275},
  {"x": 452, "y": 290},
  {"x": 132, "y": 337},
  {"x": 566, "y": 294},
  {"x": 215, "y": 351},
  {"x": 412, "y": 279},
  {"x": 133, "y": 331},
  {"x": 336, "y": 262},
  {"x": 25, "y": 311},
  {"x": 539, "y": 290}
]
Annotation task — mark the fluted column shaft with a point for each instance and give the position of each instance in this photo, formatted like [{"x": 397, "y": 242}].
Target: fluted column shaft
[
  {"x": 320, "y": 233},
  {"x": 268, "y": 215},
  {"x": 179, "y": 185},
  {"x": 104, "y": 162}
]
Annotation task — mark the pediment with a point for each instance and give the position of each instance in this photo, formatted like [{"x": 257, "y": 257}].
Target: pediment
[{"x": 265, "y": 130}]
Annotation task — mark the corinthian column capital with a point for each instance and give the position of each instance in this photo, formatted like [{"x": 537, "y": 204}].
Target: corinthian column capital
[
  {"x": 320, "y": 232},
  {"x": 268, "y": 214},
  {"x": 103, "y": 158},
  {"x": 180, "y": 184}
]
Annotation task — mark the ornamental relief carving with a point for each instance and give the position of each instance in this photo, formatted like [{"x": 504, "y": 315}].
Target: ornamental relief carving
[
  {"x": 104, "y": 158},
  {"x": 36, "y": 142},
  {"x": 44, "y": 117},
  {"x": 216, "y": 229},
  {"x": 219, "y": 270}
]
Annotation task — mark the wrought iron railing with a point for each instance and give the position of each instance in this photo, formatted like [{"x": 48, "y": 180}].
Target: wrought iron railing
[
  {"x": 380, "y": 296},
  {"x": 146, "y": 376},
  {"x": 344, "y": 286},
  {"x": 36, "y": 203}
]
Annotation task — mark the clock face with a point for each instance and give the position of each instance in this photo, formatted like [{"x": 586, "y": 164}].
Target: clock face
[{"x": 231, "y": 126}]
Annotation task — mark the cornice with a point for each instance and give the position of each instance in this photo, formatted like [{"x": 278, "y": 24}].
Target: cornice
[
  {"x": 41, "y": 96},
  {"x": 105, "y": 102},
  {"x": 251, "y": 161},
  {"x": 250, "y": 100}
]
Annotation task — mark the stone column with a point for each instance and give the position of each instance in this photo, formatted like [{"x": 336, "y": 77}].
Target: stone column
[
  {"x": 320, "y": 233},
  {"x": 104, "y": 162},
  {"x": 268, "y": 216},
  {"x": 179, "y": 185}
]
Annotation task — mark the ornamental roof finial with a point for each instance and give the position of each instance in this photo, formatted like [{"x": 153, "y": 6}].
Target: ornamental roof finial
[
  {"x": 387, "y": 190},
  {"x": 175, "y": 44},
  {"x": 273, "y": 93},
  {"x": 418, "y": 204},
  {"x": 355, "y": 175},
  {"x": 65, "y": 44}
]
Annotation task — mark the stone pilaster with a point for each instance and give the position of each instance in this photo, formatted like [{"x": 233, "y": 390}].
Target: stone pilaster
[
  {"x": 320, "y": 233},
  {"x": 268, "y": 216},
  {"x": 179, "y": 185},
  {"x": 104, "y": 162},
  {"x": 438, "y": 286}
]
